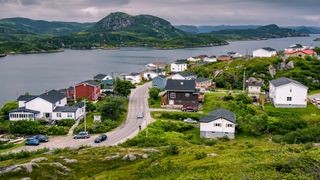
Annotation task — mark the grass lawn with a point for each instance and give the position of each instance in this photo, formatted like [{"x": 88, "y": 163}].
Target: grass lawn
[
  {"x": 154, "y": 103},
  {"x": 314, "y": 92},
  {"x": 11, "y": 148}
]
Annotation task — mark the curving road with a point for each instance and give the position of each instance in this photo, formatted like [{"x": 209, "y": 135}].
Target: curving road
[{"x": 138, "y": 102}]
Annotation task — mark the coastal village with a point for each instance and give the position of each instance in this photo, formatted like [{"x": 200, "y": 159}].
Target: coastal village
[{"x": 179, "y": 89}]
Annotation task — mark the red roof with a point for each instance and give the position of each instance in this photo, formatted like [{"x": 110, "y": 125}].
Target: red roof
[{"x": 307, "y": 51}]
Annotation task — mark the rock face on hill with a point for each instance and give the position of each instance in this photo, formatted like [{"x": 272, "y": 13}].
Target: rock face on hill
[{"x": 142, "y": 24}]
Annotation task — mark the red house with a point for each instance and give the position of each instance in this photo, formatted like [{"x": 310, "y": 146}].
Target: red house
[{"x": 88, "y": 89}]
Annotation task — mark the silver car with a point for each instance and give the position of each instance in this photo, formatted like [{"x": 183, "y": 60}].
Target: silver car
[
  {"x": 189, "y": 120},
  {"x": 140, "y": 115}
]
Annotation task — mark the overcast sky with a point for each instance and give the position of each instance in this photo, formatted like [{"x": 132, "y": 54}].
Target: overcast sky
[{"x": 195, "y": 12}]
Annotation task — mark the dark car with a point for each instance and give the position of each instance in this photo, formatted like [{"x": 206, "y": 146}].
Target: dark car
[
  {"x": 32, "y": 142},
  {"x": 190, "y": 109},
  {"x": 82, "y": 135},
  {"x": 101, "y": 138},
  {"x": 41, "y": 138}
]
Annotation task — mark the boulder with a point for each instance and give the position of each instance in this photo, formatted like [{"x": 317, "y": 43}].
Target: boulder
[
  {"x": 212, "y": 155},
  {"x": 290, "y": 65},
  {"x": 70, "y": 161},
  {"x": 217, "y": 73},
  {"x": 60, "y": 166},
  {"x": 150, "y": 150},
  {"x": 130, "y": 157},
  {"x": 144, "y": 156},
  {"x": 272, "y": 70},
  {"x": 40, "y": 159},
  {"x": 113, "y": 157},
  {"x": 9, "y": 169},
  {"x": 28, "y": 166},
  {"x": 26, "y": 178}
]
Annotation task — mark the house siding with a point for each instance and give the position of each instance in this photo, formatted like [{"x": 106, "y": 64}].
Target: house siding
[
  {"x": 92, "y": 93},
  {"x": 181, "y": 99},
  {"x": 263, "y": 53},
  {"x": 159, "y": 83},
  {"x": 209, "y": 130}
]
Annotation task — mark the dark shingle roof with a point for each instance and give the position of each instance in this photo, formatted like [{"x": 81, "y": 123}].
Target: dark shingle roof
[
  {"x": 181, "y": 85},
  {"x": 268, "y": 49},
  {"x": 79, "y": 104},
  {"x": 202, "y": 79},
  {"x": 65, "y": 109},
  {"x": 255, "y": 83},
  {"x": 27, "y": 97},
  {"x": 217, "y": 114},
  {"x": 23, "y": 109},
  {"x": 90, "y": 82},
  {"x": 52, "y": 96},
  {"x": 283, "y": 80},
  {"x": 134, "y": 74},
  {"x": 99, "y": 76}
]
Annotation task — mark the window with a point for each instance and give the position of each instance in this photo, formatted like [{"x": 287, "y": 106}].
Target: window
[
  {"x": 59, "y": 115},
  {"x": 187, "y": 94},
  {"x": 290, "y": 90},
  {"x": 217, "y": 124},
  {"x": 289, "y": 98},
  {"x": 69, "y": 115},
  {"x": 229, "y": 125},
  {"x": 172, "y": 95}
]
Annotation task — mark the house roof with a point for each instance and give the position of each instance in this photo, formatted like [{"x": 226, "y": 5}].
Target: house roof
[
  {"x": 66, "y": 109},
  {"x": 27, "y": 97},
  {"x": 99, "y": 76},
  {"x": 283, "y": 81},
  {"x": 181, "y": 85},
  {"x": 187, "y": 74},
  {"x": 307, "y": 51},
  {"x": 296, "y": 46},
  {"x": 23, "y": 109},
  {"x": 202, "y": 79},
  {"x": 217, "y": 114},
  {"x": 90, "y": 82},
  {"x": 255, "y": 83},
  {"x": 52, "y": 96},
  {"x": 268, "y": 49},
  {"x": 133, "y": 74},
  {"x": 181, "y": 61}
]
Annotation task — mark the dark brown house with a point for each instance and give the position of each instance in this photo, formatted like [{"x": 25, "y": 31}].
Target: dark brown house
[{"x": 180, "y": 93}]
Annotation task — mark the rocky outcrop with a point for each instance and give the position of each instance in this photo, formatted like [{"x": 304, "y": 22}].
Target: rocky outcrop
[
  {"x": 16, "y": 168},
  {"x": 272, "y": 71},
  {"x": 113, "y": 157},
  {"x": 212, "y": 155},
  {"x": 60, "y": 166},
  {"x": 283, "y": 66},
  {"x": 70, "y": 161},
  {"x": 150, "y": 150},
  {"x": 130, "y": 157},
  {"x": 217, "y": 73},
  {"x": 40, "y": 159}
]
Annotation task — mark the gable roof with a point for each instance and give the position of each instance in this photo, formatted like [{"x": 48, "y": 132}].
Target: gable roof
[
  {"x": 307, "y": 51},
  {"x": 255, "y": 83},
  {"x": 52, "y": 96},
  {"x": 296, "y": 46},
  {"x": 99, "y": 76},
  {"x": 283, "y": 81},
  {"x": 268, "y": 49},
  {"x": 27, "y": 97},
  {"x": 181, "y": 85},
  {"x": 89, "y": 82},
  {"x": 133, "y": 74},
  {"x": 217, "y": 114}
]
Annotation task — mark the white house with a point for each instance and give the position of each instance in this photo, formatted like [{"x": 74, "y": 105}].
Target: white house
[
  {"x": 151, "y": 74},
  {"x": 179, "y": 66},
  {"x": 210, "y": 59},
  {"x": 254, "y": 87},
  {"x": 193, "y": 59},
  {"x": 134, "y": 78},
  {"x": 286, "y": 93},
  {"x": 296, "y": 47},
  {"x": 48, "y": 106},
  {"x": 184, "y": 76},
  {"x": 264, "y": 52},
  {"x": 156, "y": 65},
  {"x": 234, "y": 54},
  {"x": 218, "y": 124}
]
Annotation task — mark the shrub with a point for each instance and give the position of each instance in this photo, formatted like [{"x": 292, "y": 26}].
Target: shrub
[
  {"x": 200, "y": 155},
  {"x": 172, "y": 150},
  {"x": 57, "y": 130},
  {"x": 26, "y": 127},
  {"x": 154, "y": 93},
  {"x": 179, "y": 115},
  {"x": 65, "y": 122}
]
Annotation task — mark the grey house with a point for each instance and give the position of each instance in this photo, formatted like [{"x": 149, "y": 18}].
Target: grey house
[
  {"x": 159, "y": 82},
  {"x": 217, "y": 124}
]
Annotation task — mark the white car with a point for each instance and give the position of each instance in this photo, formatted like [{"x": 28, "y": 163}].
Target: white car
[
  {"x": 189, "y": 120},
  {"x": 140, "y": 115}
]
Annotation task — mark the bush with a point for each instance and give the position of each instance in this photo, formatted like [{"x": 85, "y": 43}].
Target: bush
[
  {"x": 172, "y": 150},
  {"x": 66, "y": 122},
  {"x": 57, "y": 130},
  {"x": 113, "y": 107},
  {"x": 26, "y": 127},
  {"x": 200, "y": 155},
  {"x": 179, "y": 115},
  {"x": 154, "y": 93}
]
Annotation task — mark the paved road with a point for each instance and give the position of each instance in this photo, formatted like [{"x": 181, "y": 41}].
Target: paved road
[{"x": 138, "y": 102}]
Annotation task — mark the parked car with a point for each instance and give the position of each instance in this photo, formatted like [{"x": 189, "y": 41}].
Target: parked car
[
  {"x": 41, "y": 138},
  {"x": 32, "y": 142},
  {"x": 140, "y": 115},
  {"x": 101, "y": 138},
  {"x": 189, "y": 120},
  {"x": 82, "y": 135},
  {"x": 190, "y": 109}
]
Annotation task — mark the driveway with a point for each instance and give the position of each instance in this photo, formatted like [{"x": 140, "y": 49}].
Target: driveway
[{"x": 138, "y": 102}]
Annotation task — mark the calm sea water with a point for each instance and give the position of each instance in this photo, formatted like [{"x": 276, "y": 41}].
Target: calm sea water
[{"x": 36, "y": 73}]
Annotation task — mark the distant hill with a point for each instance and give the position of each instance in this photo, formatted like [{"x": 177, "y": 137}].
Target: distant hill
[
  {"x": 207, "y": 28},
  {"x": 306, "y": 29},
  {"x": 42, "y": 27},
  {"x": 263, "y": 32}
]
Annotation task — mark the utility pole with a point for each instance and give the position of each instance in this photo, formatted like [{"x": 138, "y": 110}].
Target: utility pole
[
  {"x": 85, "y": 114},
  {"x": 244, "y": 80}
]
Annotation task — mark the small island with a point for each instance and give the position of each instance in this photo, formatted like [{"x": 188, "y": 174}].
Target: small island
[{"x": 317, "y": 39}]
